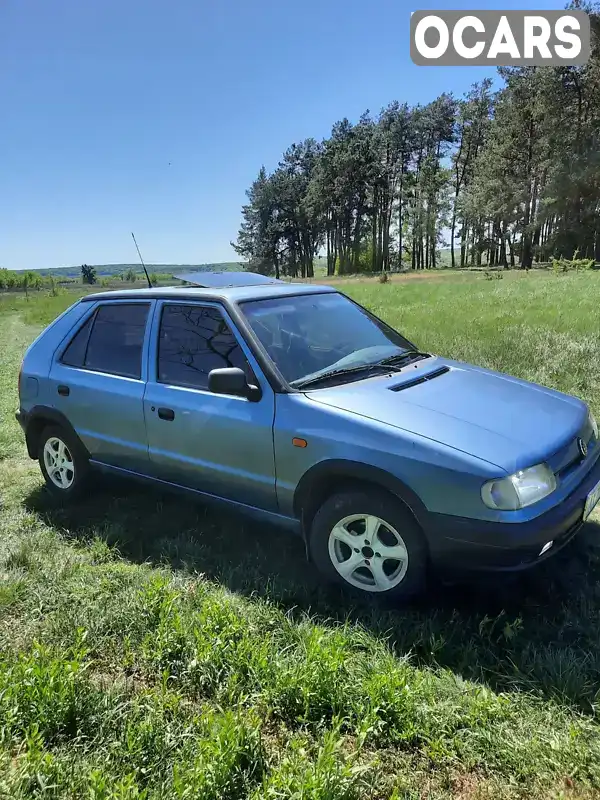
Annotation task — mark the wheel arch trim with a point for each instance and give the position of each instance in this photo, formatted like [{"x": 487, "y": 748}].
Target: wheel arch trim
[
  {"x": 36, "y": 418},
  {"x": 338, "y": 469}
]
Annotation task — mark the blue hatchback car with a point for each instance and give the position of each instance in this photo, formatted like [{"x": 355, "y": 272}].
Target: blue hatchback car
[{"x": 296, "y": 405}]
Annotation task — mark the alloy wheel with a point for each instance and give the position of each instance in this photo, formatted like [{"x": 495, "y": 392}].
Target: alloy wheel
[
  {"x": 368, "y": 553},
  {"x": 59, "y": 463}
]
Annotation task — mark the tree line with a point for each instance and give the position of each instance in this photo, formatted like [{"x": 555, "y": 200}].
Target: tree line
[
  {"x": 24, "y": 281},
  {"x": 502, "y": 177}
]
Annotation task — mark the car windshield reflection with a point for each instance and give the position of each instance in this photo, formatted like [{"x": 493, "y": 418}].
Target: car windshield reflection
[{"x": 309, "y": 335}]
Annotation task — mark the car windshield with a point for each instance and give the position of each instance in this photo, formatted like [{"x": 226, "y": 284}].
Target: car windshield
[{"x": 312, "y": 335}]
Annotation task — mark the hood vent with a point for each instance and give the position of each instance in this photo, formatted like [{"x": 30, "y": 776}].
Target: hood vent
[{"x": 421, "y": 379}]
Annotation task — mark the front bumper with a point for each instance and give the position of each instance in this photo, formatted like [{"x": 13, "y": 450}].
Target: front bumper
[{"x": 463, "y": 544}]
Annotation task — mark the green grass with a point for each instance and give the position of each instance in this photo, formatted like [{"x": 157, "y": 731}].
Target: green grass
[
  {"x": 151, "y": 648},
  {"x": 541, "y": 327}
]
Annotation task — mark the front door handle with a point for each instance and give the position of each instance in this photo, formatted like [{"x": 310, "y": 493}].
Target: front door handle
[
  {"x": 63, "y": 390},
  {"x": 166, "y": 413}
]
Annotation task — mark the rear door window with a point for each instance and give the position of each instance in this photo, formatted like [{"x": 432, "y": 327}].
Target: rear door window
[{"x": 111, "y": 341}]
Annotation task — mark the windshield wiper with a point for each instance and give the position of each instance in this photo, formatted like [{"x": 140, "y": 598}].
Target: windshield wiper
[
  {"x": 391, "y": 362},
  {"x": 335, "y": 373},
  {"x": 400, "y": 358}
]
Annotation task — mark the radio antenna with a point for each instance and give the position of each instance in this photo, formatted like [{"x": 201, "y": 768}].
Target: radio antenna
[{"x": 142, "y": 260}]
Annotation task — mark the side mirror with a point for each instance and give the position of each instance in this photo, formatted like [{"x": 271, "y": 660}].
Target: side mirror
[{"x": 232, "y": 381}]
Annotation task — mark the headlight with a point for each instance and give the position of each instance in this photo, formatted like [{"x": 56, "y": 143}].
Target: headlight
[
  {"x": 594, "y": 425},
  {"x": 519, "y": 490}
]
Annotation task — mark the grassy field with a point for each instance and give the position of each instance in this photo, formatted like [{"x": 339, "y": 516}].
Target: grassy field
[{"x": 153, "y": 649}]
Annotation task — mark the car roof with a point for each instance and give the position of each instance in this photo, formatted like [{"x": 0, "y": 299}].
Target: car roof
[
  {"x": 235, "y": 294},
  {"x": 220, "y": 280}
]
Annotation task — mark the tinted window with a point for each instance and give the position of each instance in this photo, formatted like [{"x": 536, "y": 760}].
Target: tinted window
[
  {"x": 194, "y": 340},
  {"x": 115, "y": 342},
  {"x": 74, "y": 355}
]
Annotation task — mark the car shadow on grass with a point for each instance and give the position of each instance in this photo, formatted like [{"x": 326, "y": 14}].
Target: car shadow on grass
[{"x": 535, "y": 631}]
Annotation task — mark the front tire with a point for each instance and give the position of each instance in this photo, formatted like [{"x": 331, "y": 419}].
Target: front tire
[
  {"x": 62, "y": 462},
  {"x": 369, "y": 542}
]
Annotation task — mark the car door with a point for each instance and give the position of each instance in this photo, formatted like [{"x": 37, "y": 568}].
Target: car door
[
  {"x": 97, "y": 381},
  {"x": 213, "y": 443}
]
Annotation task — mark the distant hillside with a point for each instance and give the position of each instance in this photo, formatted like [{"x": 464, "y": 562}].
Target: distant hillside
[{"x": 117, "y": 269}]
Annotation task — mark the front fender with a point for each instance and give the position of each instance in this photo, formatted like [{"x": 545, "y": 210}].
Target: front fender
[{"x": 317, "y": 481}]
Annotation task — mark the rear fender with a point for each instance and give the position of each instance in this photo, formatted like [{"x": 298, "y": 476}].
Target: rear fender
[{"x": 38, "y": 418}]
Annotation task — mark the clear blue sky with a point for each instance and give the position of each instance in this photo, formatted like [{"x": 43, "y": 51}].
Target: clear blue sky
[{"x": 155, "y": 115}]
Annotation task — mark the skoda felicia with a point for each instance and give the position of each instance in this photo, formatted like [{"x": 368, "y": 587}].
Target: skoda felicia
[{"x": 294, "y": 404}]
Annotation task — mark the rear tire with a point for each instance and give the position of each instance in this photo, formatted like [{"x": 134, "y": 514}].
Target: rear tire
[
  {"x": 63, "y": 462},
  {"x": 371, "y": 543}
]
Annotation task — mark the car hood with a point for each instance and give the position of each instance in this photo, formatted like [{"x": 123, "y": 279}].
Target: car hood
[{"x": 500, "y": 419}]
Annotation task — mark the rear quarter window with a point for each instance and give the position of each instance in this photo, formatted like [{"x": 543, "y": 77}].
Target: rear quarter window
[{"x": 74, "y": 355}]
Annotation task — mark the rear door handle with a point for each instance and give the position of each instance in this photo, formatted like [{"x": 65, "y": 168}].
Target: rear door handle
[
  {"x": 166, "y": 413},
  {"x": 63, "y": 390}
]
